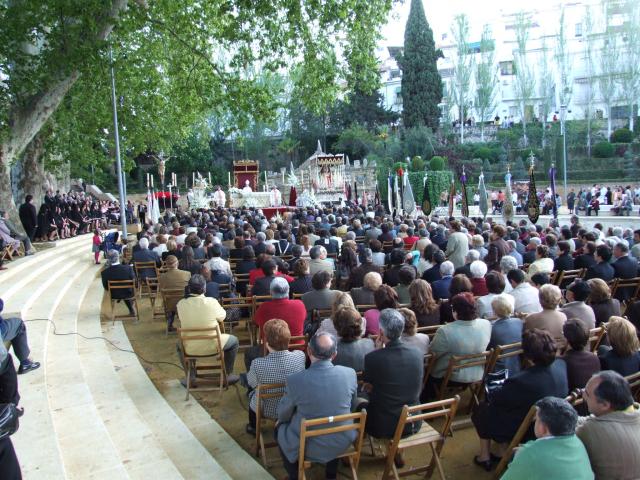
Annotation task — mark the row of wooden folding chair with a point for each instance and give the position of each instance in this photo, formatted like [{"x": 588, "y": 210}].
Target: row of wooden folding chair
[
  {"x": 9, "y": 251},
  {"x": 632, "y": 285},
  {"x": 565, "y": 277}
]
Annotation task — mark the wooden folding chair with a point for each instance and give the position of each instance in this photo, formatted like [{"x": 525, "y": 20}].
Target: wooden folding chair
[
  {"x": 242, "y": 282},
  {"x": 7, "y": 253},
  {"x": 576, "y": 398},
  {"x": 460, "y": 362},
  {"x": 267, "y": 391},
  {"x": 502, "y": 352},
  {"x": 361, "y": 239},
  {"x": 631, "y": 285},
  {"x": 319, "y": 314},
  {"x": 387, "y": 247},
  {"x": 568, "y": 276},
  {"x": 224, "y": 289},
  {"x": 363, "y": 308},
  {"x": 122, "y": 286},
  {"x": 297, "y": 296},
  {"x": 322, "y": 426},
  {"x": 634, "y": 383},
  {"x": 213, "y": 371},
  {"x": 430, "y": 331},
  {"x": 595, "y": 337},
  {"x": 170, "y": 299},
  {"x": 295, "y": 343},
  {"x": 154, "y": 290},
  {"x": 427, "y": 435},
  {"x": 515, "y": 441},
  {"x": 144, "y": 267},
  {"x": 244, "y": 304}
]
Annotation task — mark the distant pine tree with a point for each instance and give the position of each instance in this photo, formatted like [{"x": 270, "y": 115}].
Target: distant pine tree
[{"x": 421, "y": 82}]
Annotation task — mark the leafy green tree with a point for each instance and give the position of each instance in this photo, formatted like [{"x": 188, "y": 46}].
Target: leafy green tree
[
  {"x": 462, "y": 69},
  {"x": 421, "y": 82},
  {"x": 486, "y": 80},
  {"x": 199, "y": 51},
  {"x": 356, "y": 141},
  {"x": 419, "y": 141},
  {"x": 525, "y": 81},
  {"x": 363, "y": 108},
  {"x": 546, "y": 89}
]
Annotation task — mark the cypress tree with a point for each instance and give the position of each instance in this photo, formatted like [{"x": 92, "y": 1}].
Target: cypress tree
[{"x": 421, "y": 82}]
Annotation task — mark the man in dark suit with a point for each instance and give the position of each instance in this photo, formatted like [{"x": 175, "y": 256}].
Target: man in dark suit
[
  {"x": 624, "y": 267},
  {"x": 394, "y": 378},
  {"x": 530, "y": 254},
  {"x": 357, "y": 274},
  {"x": 116, "y": 271},
  {"x": 433, "y": 273},
  {"x": 260, "y": 246},
  {"x": 564, "y": 261},
  {"x": 602, "y": 269},
  {"x": 391, "y": 276},
  {"x": 307, "y": 397},
  {"x": 143, "y": 254},
  {"x": 28, "y": 217},
  {"x": 439, "y": 238},
  {"x": 331, "y": 246},
  {"x": 441, "y": 287},
  {"x": 262, "y": 285}
]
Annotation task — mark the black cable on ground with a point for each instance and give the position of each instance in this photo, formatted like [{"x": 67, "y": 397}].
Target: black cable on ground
[{"x": 55, "y": 332}]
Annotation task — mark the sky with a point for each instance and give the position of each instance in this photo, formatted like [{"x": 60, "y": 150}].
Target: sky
[{"x": 440, "y": 14}]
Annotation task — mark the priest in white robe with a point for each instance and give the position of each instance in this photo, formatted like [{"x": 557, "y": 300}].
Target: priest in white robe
[
  {"x": 247, "y": 187},
  {"x": 219, "y": 197},
  {"x": 275, "y": 197}
]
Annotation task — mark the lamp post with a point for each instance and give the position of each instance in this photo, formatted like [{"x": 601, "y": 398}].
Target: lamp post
[
  {"x": 563, "y": 132},
  {"x": 116, "y": 135}
]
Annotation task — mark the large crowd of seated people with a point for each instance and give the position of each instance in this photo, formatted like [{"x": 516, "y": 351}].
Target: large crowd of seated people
[{"x": 376, "y": 295}]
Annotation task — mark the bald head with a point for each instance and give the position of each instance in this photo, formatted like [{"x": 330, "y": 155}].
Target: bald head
[{"x": 322, "y": 346}]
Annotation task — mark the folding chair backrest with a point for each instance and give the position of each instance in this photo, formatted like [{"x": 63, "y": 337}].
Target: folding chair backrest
[
  {"x": 502, "y": 352},
  {"x": 431, "y": 330},
  {"x": 268, "y": 391},
  {"x": 171, "y": 297},
  {"x": 298, "y": 342},
  {"x": 515, "y": 441},
  {"x": 460, "y": 362},
  {"x": 364, "y": 308},
  {"x": 634, "y": 383},
  {"x": 297, "y": 296},
  {"x": 236, "y": 302},
  {"x": 330, "y": 425},
  {"x": 193, "y": 337},
  {"x": 317, "y": 315},
  {"x": 632, "y": 285},
  {"x": 569, "y": 276},
  {"x": 122, "y": 286},
  {"x": 141, "y": 267},
  {"x": 595, "y": 337},
  {"x": 428, "y": 412}
]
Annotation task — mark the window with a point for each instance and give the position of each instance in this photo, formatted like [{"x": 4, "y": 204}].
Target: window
[
  {"x": 506, "y": 68},
  {"x": 446, "y": 72},
  {"x": 579, "y": 29},
  {"x": 398, "y": 99},
  {"x": 395, "y": 73}
]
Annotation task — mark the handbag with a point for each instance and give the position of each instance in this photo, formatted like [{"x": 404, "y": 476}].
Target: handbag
[
  {"x": 494, "y": 383},
  {"x": 9, "y": 415}
]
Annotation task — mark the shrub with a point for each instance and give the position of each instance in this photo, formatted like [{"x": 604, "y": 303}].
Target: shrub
[
  {"x": 620, "y": 149},
  {"x": 417, "y": 164},
  {"x": 437, "y": 163},
  {"x": 603, "y": 150},
  {"x": 622, "y": 135},
  {"x": 483, "y": 152}
]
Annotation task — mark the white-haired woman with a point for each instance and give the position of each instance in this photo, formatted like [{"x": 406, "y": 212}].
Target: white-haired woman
[{"x": 478, "y": 270}]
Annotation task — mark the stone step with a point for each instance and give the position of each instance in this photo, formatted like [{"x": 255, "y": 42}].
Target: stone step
[
  {"x": 189, "y": 455},
  {"x": 35, "y": 441}
]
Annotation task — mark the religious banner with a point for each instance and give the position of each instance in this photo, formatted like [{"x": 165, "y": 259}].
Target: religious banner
[
  {"x": 554, "y": 200},
  {"x": 293, "y": 196},
  {"x": 484, "y": 201},
  {"x": 452, "y": 197},
  {"x": 390, "y": 199},
  {"x": 355, "y": 194},
  {"x": 465, "y": 200},
  {"x": 507, "y": 208},
  {"x": 376, "y": 198},
  {"x": 408, "y": 200},
  {"x": 426, "y": 202},
  {"x": 533, "y": 203}
]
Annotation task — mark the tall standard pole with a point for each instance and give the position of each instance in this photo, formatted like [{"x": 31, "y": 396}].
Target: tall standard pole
[
  {"x": 116, "y": 135},
  {"x": 563, "y": 111}
]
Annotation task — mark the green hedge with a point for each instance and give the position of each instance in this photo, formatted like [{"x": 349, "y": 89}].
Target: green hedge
[
  {"x": 622, "y": 135},
  {"x": 603, "y": 150}
]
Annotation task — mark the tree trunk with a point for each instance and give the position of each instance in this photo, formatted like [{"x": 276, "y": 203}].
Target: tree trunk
[
  {"x": 631, "y": 117},
  {"x": 30, "y": 172},
  {"x": 589, "y": 135},
  {"x": 26, "y": 121}
]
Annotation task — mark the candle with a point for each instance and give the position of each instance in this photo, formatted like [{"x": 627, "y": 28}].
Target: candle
[
  {"x": 193, "y": 179},
  {"x": 151, "y": 181},
  {"x": 148, "y": 180},
  {"x": 209, "y": 178},
  {"x": 229, "y": 176},
  {"x": 266, "y": 184},
  {"x": 283, "y": 177}
]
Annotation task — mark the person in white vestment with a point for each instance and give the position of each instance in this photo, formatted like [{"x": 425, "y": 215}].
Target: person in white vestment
[
  {"x": 219, "y": 197},
  {"x": 275, "y": 197},
  {"x": 247, "y": 187}
]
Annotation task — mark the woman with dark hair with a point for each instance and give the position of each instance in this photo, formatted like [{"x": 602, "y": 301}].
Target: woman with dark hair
[
  {"x": 604, "y": 307},
  {"x": 47, "y": 229},
  {"x": 385, "y": 297},
  {"x": 466, "y": 334},
  {"x": 238, "y": 246},
  {"x": 188, "y": 263},
  {"x": 459, "y": 284},
  {"x": 352, "y": 348},
  {"x": 500, "y": 418},
  {"x": 422, "y": 303},
  {"x": 248, "y": 261},
  {"x": 581, "y": 363},
  {"x": 406, "y": 275},
  {"x": 302, "y": 282},
  {"x": 347, "y": 262}
]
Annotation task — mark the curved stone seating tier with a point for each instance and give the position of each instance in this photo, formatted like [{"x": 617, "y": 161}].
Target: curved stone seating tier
[{"x": 91, "y": 411}]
